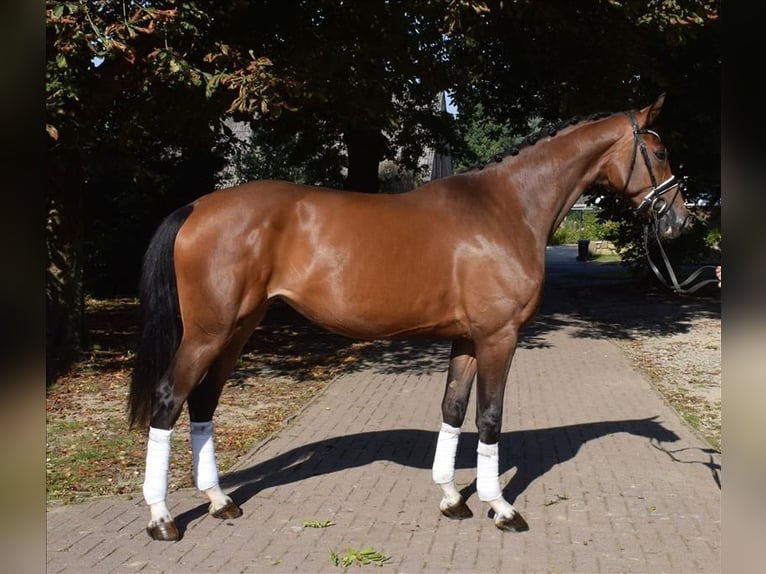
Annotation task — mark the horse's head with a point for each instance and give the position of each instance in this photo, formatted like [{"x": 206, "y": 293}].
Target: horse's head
[{"x": 639, "y": 167}]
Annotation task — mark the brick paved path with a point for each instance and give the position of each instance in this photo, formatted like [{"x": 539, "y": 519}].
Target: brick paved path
[{"x": 606, "y": 474}]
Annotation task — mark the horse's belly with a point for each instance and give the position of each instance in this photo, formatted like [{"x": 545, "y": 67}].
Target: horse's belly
[{"x": 365, "y": 317}]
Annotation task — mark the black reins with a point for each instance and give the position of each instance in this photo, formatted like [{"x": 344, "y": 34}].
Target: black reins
[
  {"x": 658, "y": 206},
  {"x": 681, "y": 287}
]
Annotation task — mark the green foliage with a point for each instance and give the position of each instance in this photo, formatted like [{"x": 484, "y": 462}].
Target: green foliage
[
  {"x": 97, "y": 50},
  {"x": 80, "y": 456},
  {"x": 495, "y": 67},
  {"x": 699, "y": 244},
  {"x": 481, "y": 138},
  {"x": 614, "y": 221},
  {"x": 583, "y": 224},
  {"x": 366, "y": 555},
  {"x": 282, "y": 149},
  {"x": 396, "y": 179}
]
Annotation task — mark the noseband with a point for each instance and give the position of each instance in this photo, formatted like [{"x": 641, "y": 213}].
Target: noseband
[{"x": 654, "y": 199}]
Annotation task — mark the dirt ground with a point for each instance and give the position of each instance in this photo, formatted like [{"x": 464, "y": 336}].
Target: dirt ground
[{"x": 675, "y": 341}]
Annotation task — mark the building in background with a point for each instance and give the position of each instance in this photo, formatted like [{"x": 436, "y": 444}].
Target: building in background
[{"x": 440, "y": 164}]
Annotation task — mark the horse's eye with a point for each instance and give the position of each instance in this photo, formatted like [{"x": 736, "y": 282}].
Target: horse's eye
[{"x": 661, "y": 154}]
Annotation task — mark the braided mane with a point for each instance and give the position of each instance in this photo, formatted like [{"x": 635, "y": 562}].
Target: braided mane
[{"x": 546, "y": 131}]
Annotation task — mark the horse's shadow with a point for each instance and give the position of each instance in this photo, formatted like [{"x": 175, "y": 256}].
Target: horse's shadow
[{"x": 532, "y": 453}]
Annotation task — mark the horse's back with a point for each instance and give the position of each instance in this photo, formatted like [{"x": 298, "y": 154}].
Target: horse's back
[{"x": 328, "y": 215}]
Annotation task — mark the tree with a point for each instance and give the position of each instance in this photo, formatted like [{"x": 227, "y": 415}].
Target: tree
[
  {"x": 119, "y": 76},
  {"x": 369, "y": 73},
  {"x": 290, "y": 150},
  {"x": 482, "y": 137}
]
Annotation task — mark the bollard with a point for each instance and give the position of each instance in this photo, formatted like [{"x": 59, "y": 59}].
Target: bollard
[{"x": 582, "y": 249}]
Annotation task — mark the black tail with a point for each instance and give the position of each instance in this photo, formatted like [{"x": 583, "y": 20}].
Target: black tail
[{"x": 161, "y": 330}]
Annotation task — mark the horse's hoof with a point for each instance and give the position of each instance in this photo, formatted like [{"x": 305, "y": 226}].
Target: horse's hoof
[
  {"x": 459, "y": 511},
  {"x": 515, "y": 523},
  {"x": 163, "y": 531},
  {"x": 231, "y": 510}
]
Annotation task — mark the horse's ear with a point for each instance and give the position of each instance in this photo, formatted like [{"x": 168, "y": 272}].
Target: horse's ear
[{"x": 651, "y": 112}]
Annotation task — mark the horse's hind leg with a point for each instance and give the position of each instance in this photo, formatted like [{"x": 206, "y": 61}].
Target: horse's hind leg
[
  {"x": 195, "y": 355},
  {"x": 202, "y": 404},
  {"x": 462, "y": 369}
]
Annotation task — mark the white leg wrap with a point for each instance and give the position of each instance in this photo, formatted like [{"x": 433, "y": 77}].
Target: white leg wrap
[
  {"x": 487, "y": 472},
  {"x": 203, "y": 455},
  {"x": 446, "y": 448},
  {"x": 157, "y": 465}
]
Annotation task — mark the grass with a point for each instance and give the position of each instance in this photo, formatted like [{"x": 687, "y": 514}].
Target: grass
[{"x": 606, "y": 257}]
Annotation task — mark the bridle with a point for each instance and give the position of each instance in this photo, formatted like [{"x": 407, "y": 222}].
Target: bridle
[
  {"x": 657, "y": 206},
  {"x": 653, "y": 200}
]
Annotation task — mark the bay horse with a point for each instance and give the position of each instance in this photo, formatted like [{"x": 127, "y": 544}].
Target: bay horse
[{"x": 460, "y": 258}]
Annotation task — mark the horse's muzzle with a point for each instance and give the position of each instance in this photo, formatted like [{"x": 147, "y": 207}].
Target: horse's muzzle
[{"x": 673, "y": 224}]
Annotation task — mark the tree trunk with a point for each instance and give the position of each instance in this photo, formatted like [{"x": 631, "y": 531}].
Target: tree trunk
[
  {"x": 365, "y": 147},
  {"x": 64, "y": 300}
]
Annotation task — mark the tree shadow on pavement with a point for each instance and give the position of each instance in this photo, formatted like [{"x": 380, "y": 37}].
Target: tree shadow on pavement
[{"x": 617, "y": 309}]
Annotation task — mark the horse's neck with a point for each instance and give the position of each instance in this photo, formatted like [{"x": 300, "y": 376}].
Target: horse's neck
[{"x": 549, "y": 179}]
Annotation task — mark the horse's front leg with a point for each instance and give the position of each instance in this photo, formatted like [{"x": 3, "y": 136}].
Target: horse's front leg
[
  {"x": 494, "y": 361},
  {"x": 462, "y": 369}
]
